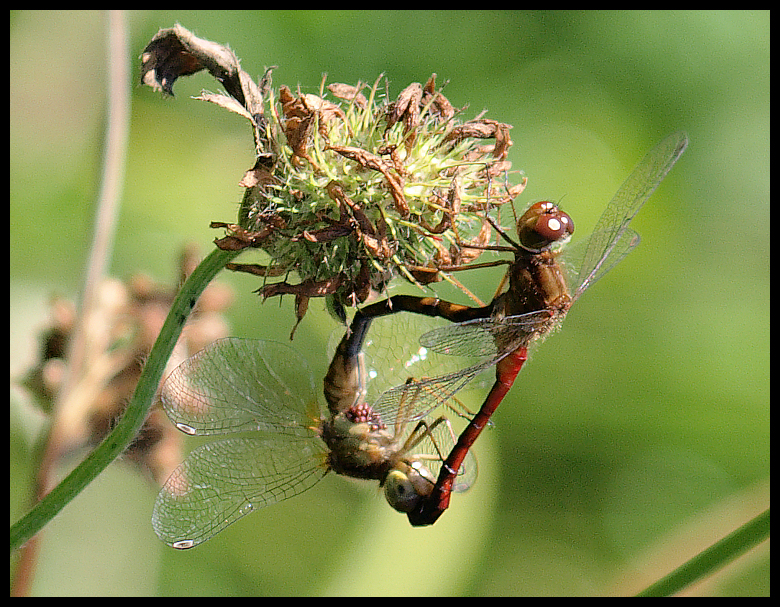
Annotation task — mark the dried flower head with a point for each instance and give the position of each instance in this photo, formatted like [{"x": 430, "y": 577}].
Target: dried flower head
[
  {"x": 350, "y": 191},
  {"x": 120, "y": 333}
]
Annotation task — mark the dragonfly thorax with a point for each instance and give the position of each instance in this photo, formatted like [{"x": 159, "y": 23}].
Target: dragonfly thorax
[
  {"x": 360, "y": 450},
  {"x": 536, "y": 282}
]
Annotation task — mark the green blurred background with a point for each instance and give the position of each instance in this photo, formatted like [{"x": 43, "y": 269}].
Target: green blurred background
[{"x": 635, "y": 437}]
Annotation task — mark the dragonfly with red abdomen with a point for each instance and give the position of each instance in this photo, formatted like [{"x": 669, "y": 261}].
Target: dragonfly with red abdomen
[
  {"x": 542, "y": 286},
  {"x": 266, "y": 389}
]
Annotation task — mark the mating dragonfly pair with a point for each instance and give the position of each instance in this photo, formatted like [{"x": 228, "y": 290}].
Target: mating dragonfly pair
[{"x": 375, "y": 430}]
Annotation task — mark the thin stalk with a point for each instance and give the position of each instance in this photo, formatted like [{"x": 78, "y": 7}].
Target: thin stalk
[
  {"x": 115, "y": 151},
  {"x": 107, "y": 209}
]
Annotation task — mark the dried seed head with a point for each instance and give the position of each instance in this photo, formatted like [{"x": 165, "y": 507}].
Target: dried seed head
[
  {"x": 398, "y": 187},
  {"x": 350, "y": 192}
]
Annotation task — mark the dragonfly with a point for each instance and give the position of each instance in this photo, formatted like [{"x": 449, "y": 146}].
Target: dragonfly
[
  {"x": 265, "y": 391},
  {"x": 542, "y": 286}
]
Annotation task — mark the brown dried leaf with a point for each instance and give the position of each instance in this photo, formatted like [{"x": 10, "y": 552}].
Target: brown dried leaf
[
  {"x": 365, "y": 159},
  {"x": 503, "y": 141},
  {"x": 257, "y": 175},
  {"x": 374, "y": 239},
  {"x": 175, "y": 52},
  {"x": 397, "y": 192},
  {"x": 439, "y": 104},
  {"x": 406, "y": 108},
  {"x": 238, "y": 238},
  {"x": 300, "y": 119},
  {"x": 327, "y": 110},
  {"x": 336, "y": 192},
  {"x": 361, "y": 288},
  {"x": 378, "y": 245},
  {"x": 308, "y": 288},
  {"x": 168, "y": 56},
  {"x": 372, "y": 161},
  {"x": 255, "y": 269},
  {"x": 226, "y": 102},
  {"x": 301, "y": 113},
  {"x": 301, "y": 307},
  {"x": 483, "y": 128},
  {"x": 348, "y": 92},
  {"x": 326, "y": 234}
]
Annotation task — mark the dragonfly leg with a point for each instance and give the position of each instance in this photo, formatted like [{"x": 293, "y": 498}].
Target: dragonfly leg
[
  {"x": 427, "y": 306},
  {"x": 423, "y": 430}
]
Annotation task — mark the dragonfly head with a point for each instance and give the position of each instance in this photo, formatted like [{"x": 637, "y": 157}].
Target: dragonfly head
[
  {"x": 543, "y": 225},
  {"x": 406, "y": 485}
]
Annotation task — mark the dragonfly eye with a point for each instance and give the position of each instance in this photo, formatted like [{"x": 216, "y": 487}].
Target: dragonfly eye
[
  {"x": 543, "y": 225},
  {"x": 404, "y": 491}
]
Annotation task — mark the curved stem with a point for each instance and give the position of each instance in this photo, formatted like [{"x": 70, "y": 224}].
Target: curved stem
[{"x": 135, "y": 415}]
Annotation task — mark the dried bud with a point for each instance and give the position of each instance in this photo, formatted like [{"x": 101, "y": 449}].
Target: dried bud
[{"x": 120, "y": 334}]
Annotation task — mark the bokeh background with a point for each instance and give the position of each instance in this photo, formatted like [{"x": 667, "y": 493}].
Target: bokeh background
[{"x": 635, "y": 437}]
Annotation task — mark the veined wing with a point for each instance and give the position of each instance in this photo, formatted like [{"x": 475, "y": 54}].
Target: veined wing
[
  {"x": 624, "y": 206},
  {"x": 573, "y": 258},
  {"x": 488, "y": 338},
  {"x": 405, "y": 379},
  {"x": 434, "y": 449},
  {"x": 401, "y": 379},
  {"x": 224, "y": 481},
  {"x": 469, "y": 347},
  {"x": 237, "y": 385}
]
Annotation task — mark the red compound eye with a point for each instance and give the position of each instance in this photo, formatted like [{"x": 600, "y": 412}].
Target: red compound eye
[{"x": 542, "y": 225}]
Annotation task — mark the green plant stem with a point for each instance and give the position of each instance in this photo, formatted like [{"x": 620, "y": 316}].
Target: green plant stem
[
  {"x": 135, "y": 415},
  {"x": 714, "y": 557}
]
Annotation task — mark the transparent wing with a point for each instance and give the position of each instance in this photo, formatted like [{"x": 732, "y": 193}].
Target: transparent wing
[
  {"x": 602, "y": 249},
  {"x": 443, "y": 440},
  {"x": 237, "y": 385},
  {"x": 403, "y": 380},
  {"x": 416, "y": 398},
  {"x": 467, "y": 474},
  {"x": 572, "y": 261},
  {"x": 392, "y": 352},
  {"x": 223, "y": 481},
  {"x": 473, "y": 338},
  {"x": 490, "y": 338},
  {"x": 486, "y": 339}
]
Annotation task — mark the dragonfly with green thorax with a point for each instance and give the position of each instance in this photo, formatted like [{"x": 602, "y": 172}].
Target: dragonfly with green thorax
[{"x": 264, "y": 391}]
